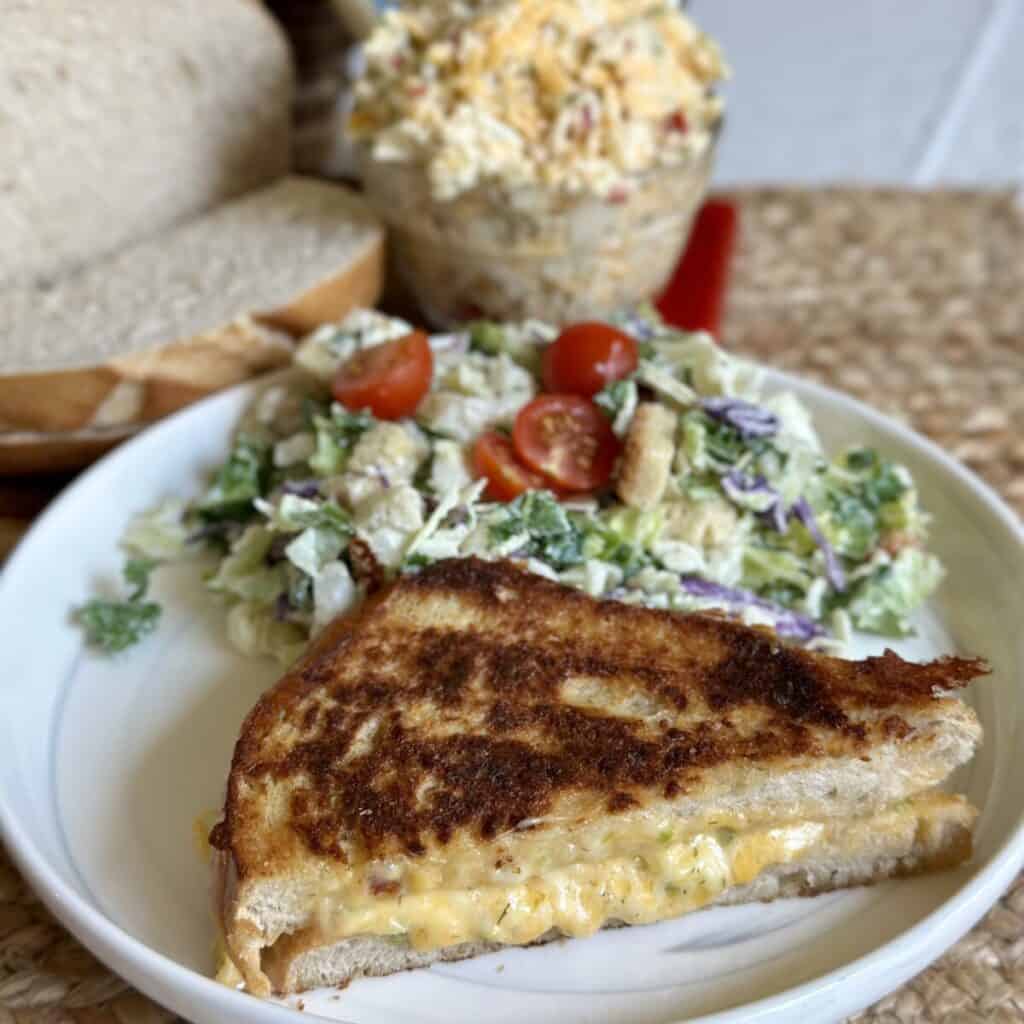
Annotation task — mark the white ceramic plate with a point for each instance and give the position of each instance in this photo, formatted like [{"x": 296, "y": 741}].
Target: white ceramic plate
[{"x": 105, "y": 765}]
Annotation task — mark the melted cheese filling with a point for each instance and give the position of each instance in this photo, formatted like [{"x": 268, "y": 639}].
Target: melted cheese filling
[{"x": 656, "y": 881}]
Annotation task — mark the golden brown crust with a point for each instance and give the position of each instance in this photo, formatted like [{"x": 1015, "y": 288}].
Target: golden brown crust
[
  {"x": 473, "y": 677},
  {"x": 24, "y": 453},
  {"x": 152, "y": 384},
  {"x": 71, "y": 398}
]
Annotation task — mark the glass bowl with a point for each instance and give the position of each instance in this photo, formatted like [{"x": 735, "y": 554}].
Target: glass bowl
[{"x": 517, "y": 253}]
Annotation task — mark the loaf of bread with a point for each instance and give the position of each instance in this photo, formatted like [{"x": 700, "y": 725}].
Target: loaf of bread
[
  {"x": 120, "y": 119},
  {"x": 132, "y": 337}
]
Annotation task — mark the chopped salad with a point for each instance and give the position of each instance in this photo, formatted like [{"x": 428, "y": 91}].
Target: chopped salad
[{"x": 630, "y": 460}]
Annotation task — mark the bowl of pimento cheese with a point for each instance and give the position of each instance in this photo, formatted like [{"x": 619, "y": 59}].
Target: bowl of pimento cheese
[{"x": 536, "y": 158}]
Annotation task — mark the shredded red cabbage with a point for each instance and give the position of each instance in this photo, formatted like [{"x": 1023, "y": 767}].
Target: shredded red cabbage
[
  {"x": 787, "y": 622},
  {"x": 748, "y": 419},
  {"x": 778, "y": 516},
  {"x": 276, "y": 551},
  {"x": 301, "y": 488},
  {"x": 737, "y": 485},
  {"x": 833, "y": 569}
]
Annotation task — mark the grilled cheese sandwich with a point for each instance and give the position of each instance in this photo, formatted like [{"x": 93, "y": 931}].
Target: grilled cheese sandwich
[{"x": 480, "y": 757}]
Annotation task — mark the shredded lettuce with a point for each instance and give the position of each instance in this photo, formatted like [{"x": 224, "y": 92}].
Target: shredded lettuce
[
  {"x": 313, "y": 549},
  {"x": 520, "y": 342},
  {"x": 334, "y": 592},
  {"x": 336, "y": 435},
  {"x": 595, "y": 577},
  {"x": 622, "y": 537},
  {"x": 322, "y": 352},
  {"x": 254, "y": 630},
  {"x": 388, "y": 521},
  {"x": 542, "y": 526},
  {"x": 443, "y": 532},
  {"x": 882, "y": 602},
  {"x": 293, "y": 513},
  {"x": 619, "y": 400},
  {"x": 247, "y": 572},
  {"x": 160, "y": 534},
  {"x": 239, "y": 481},
  {"x": 765, "y": 567}
]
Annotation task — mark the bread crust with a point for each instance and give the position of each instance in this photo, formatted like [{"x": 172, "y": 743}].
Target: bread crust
[
  {"x": 27, "y": 453},
  {"x": 143, "y": 387}
]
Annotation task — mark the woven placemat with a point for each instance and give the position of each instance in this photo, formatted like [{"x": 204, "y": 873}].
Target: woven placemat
[{"x": 912, "y": 301}]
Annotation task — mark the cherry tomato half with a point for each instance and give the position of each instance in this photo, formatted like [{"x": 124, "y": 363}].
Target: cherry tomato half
[
  {"x": 587, "y": 356},
  {"x": 388, "y": 379},
  {"x": 568, "y": 440},
  {"x": 495, "y": 459}
]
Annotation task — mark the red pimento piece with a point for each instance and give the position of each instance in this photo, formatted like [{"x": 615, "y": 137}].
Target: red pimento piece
[{"x": 677, "y": 122}]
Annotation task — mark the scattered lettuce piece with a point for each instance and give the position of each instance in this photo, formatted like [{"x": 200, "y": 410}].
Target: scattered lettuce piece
[
  {"x": 137, "y": 572},
  {"x": 113, "y": 626}
]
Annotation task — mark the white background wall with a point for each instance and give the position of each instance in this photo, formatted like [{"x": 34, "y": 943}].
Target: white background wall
[{"x": 893, "y": 91}]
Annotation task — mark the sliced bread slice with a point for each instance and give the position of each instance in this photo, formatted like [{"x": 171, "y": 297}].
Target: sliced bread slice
[
  {"x": 203, "y": 306},
  {"x": 118, "y": 120}
]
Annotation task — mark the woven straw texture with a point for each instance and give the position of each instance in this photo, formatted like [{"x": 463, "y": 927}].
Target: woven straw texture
[{"x": 913, "y": 301}]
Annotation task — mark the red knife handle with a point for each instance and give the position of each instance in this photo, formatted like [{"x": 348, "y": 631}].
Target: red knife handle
[{"x": 695, "y": 296}]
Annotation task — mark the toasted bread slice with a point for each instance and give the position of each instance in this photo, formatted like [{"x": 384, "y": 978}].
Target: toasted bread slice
[
  {"x": 210, "y": 303},
  {"x": 477, "y": 728}
]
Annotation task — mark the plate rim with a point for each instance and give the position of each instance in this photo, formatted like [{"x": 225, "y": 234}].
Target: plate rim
[{"x": 166, "y": 980}]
